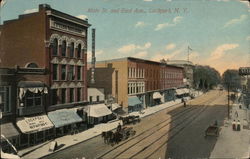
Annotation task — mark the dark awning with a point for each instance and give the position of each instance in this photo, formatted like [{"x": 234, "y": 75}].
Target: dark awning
[
  {"x": 9, "y": 130},
  {"x": 30, "y": 84}
]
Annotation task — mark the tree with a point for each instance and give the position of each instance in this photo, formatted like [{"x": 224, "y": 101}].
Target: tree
[
  {"x": 231, "y": 79},
  {"x": 206, "y": 77}
]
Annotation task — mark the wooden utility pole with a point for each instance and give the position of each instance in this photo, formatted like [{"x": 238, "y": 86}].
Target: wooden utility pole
[{"x": 228, "y": 104}]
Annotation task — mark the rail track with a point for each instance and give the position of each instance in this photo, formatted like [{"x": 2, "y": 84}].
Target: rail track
[{"x": 146, "y": 143}]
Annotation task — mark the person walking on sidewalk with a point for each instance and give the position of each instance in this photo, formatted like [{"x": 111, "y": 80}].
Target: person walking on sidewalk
[{"x": 236, "y": 114}]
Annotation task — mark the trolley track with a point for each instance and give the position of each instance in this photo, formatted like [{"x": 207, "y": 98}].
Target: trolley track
[{"x": 132, "y": 142}]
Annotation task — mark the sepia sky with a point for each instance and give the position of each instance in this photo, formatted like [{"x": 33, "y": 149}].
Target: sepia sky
[{"x": 217, "y": 31}]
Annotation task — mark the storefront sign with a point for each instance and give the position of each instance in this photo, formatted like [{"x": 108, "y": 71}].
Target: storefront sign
[
  {"x": 244, "y": 71},
  {"x": 34, "y": 124}
]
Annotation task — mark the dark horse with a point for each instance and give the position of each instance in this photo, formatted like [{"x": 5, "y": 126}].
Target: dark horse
[{"x": 107, "y": 135}]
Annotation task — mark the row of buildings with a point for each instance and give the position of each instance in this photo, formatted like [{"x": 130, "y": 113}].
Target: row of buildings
[{"x": 45, "y": 81}]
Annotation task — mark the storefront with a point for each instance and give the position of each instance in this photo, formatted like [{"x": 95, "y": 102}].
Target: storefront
[
  {"x": 182, "y": 92},
  {"x": 35, "y": 130},
  {"x": 98, "y": 113},
  {"x": 169, "y": 95},
  {"x": 158, "y": 98},
  {"x": 66, "y": 121},
  {"x": 134, "y": 104},
  {"x": 9, "y": 135}
]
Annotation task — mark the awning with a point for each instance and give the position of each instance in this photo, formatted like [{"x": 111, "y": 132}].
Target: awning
[
  {"x": 34, "y": 124},
  {"x": 64, "y": 117},
  {"x": 32, "y": 86},
  {"x": 9, "y": 130},
  {"x": 180, "y": 91},
  {"x": 98, "y": 110},
  {"x": 132, "y": 101},
  {"x": 115, "y": 106},
  {"x": 157, "y": 95}
]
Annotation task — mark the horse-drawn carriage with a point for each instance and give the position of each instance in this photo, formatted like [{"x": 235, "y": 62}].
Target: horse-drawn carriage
[
  {"x": 130, "y": 119},
  {"x": 111, "y": 137}
]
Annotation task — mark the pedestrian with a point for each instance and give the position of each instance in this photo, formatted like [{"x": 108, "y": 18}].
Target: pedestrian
[{"x": 236, "y": 114}]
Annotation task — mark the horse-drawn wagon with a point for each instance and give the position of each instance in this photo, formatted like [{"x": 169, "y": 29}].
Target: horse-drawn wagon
[
  {"x": 124, "y": 133},
  {"x": 130, "y": 119}
]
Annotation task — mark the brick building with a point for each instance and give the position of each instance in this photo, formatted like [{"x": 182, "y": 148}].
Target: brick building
[
  {"x": 137, "y": 83},
  {"x": 55, "y": 43}
]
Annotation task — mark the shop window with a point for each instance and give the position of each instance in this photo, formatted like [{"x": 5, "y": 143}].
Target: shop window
[
  {"x": 5, "y": 98},
  {"x": 71, "y": 95},
  {"x": 55, "y": 71},
  {"x": 72, "y": 47},
  {"x": 79, "y": 51},
  {"x": 63, "y": 95},
  {"x": 63, "y": 73},
  {"x": 54, "y": 96},
  {"x": 64, "y": 47},
  {"x": 97, "y": 98},
  {"x": 55, "y": 47}
]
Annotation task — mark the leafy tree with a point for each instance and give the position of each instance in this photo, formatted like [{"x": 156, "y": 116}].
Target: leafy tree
[
  {"x": 206, "y": 77},
  {"x": 231, "y": 79}
]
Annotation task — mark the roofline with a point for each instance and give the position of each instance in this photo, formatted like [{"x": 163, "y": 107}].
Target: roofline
[{"x": 137, "y": 59}]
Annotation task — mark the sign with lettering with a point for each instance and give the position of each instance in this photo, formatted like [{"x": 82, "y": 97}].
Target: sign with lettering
[
  {"x": 244, "y": 71},
  {"x": 34, "y": 124}
]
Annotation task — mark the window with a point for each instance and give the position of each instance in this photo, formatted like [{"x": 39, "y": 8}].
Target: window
[
  {"x": 55, "y": 71},
  {"x": 72, "y": 47},
  {"x": 71, "y": 72},
  {"x": 55, "y": 47},
  {"x": 63, "y": 73},
  {"x": 64, "y": 47},
  {"x": 31, "y": 65},
  {"x": 79, "y": 90},
  {"x": 79, "y": 51},
  {"x": 79, "y": 72},
  {"x": 71, "y": 95},
  {"x": 5, "y": 96},
  {"x": 97, "y": 98},
  {"x": 90, "y": 99},
  {"x": 54, "y": 96},
  {"x": 63, "y": 95},
  {"x": 33, "y": 99}
]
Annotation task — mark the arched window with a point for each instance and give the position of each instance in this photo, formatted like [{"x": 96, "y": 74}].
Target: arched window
[
  {"x": 64, "y": 48},
  {"x": 71, "y": 49},
  {"x": 55, "y": 46},
  {"x": 31, "y": 65},
  {"x": 79, "y": 51}
]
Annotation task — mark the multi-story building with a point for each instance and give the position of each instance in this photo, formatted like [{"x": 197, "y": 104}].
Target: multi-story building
[
  {"x": 56, "y": 43},
  {"x": 188, "y": 70},
  {"x": 137, "y": 83}
]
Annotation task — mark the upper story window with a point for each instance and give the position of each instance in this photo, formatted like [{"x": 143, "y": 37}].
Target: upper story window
[
  {"x": 72, "y": 47},
  {"x": 55, "y": 71},
  {"x": 64, "y": 47},
  {"x": 79, "y": 72},
  {"x": 63, "y": 95},
  {"x": 55, "y": 47},
  {"x": 33, "y": 99},
  {"x": 63, "y": 72},
  {"x": 31, "y": 65},
  {"x": 5, "y": 98},
  {"x": 71, "y": 95},
  {"x": 79, "y": 51},
  {"x": 71, "y": 73}
]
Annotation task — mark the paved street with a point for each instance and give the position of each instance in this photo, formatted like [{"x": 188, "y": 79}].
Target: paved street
[{"x": 180, "y": 143}]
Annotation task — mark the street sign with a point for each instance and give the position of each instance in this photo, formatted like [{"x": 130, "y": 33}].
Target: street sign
[{"x": 244, "y": 71}]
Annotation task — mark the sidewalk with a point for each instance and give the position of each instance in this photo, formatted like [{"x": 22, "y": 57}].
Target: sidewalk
[
  {"x": 233, "y": 144},
  {"x": 41, "y": 150}
]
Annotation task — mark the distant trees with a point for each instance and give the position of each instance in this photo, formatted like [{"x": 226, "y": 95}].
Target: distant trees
[
  {"x": 231, "y": 79},
  {"x": 205, "y": 77}
]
